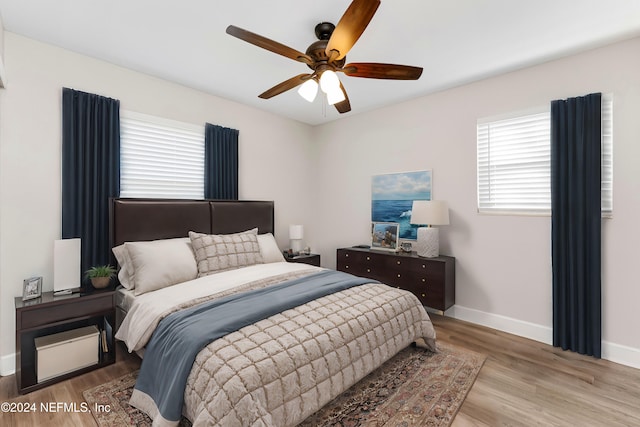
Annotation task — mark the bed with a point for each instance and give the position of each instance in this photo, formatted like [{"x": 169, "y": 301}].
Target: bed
[{"x": 254, "y": 340}]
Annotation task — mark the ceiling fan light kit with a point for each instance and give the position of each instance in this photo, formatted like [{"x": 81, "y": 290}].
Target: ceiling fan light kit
[
  {"x": 329, "y": 81},
  {"x": 309, "y": 90},
  {"x": 330, "y": 85},
  {"x": 327, "y": 56},
  {"x": 334, "y": 96}
]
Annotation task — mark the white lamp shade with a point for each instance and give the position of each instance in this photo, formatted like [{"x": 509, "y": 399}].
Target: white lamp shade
[
  {"x": 329, "y": 81},
  {"x": 66, "y": 264},
  {"x": 308, "y": 90},
  {"x": 296, "y": 232},
  {"x": 335, "y": 96},
  {"x": 432, "y": 212}
]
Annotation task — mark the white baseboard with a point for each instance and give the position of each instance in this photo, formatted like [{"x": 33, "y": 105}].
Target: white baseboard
[
  {"x": 529, "y": 330},
  {"x": 617, "y": 353},
  {"x": 621, "y": 354},
  {"x": 7, "y": 365}
]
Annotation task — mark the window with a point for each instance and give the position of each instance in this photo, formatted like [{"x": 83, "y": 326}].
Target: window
[
  {"x": 514, "y": 162},
  {"x": 160, "y": 158}
]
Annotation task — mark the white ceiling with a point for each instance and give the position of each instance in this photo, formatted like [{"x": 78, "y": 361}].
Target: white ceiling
[{"x": 455, "y": 41}]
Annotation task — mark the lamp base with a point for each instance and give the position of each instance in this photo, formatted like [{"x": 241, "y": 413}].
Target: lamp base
[
  {"x": 428, "y": 242},
  {"x": 296, "y": 245}
]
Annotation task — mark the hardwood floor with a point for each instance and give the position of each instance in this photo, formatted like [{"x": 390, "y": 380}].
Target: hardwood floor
[
  {"x": 527, "y": 383},
  {"x": 69, "y": 391},
  {"x": 522, "y": 383}
]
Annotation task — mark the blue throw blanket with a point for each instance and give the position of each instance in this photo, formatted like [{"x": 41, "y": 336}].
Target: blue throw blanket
[{"x": 180, "y": 336}]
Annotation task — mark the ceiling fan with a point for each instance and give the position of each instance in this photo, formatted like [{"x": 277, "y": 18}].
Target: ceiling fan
[{"x": 328, "y": 56}]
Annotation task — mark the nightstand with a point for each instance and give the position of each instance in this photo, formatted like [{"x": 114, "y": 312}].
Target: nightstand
[
  {"x": 311, "y": 259},
  {"x": 49, "y": 315}
]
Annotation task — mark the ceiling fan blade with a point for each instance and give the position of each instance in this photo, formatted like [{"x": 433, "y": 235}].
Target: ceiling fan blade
[
  {"x": 351, "y": 26},
  {"x": 285, "y": 86},
  {"x": 268, "y": 44},
  {"x": 373, "y": 70},
  {"x": 343, "y": 106}
]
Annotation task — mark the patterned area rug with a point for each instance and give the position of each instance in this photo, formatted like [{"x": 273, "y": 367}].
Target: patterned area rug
[{"x": 414, "y": 388}]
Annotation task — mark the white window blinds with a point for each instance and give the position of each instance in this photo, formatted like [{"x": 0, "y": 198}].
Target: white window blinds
[
  {"x": 514, "y": 163},
  {"x": 607, "y": 155},
  {"x": 160, "y": 158}
]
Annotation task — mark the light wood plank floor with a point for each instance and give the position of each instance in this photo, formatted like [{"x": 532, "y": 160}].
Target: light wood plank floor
[
  {"x": 527, "y": 383},
  {"x": 522, "y": 383}
]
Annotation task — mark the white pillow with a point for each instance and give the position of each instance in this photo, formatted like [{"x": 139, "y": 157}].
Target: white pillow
[
  {"x": 125, "y": 275},
  {"x": 269, "y": 248},
  {"x": 161, "y": 263}
]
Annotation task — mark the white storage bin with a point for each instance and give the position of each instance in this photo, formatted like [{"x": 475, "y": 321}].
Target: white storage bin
[{"x": 66, "y": 351}]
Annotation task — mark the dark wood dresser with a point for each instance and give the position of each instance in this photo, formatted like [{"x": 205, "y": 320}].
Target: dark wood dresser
[{"x": 432, "y": 280}]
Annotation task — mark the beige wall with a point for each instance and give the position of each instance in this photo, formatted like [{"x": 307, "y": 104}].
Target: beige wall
[
  {"x": 272, "y": 150},
  {"x": 1, "y": 39},
  {"x": 503, "y": 262},
  {"x": 2, "y": 354},
  {"x": 2, "y": 74}
]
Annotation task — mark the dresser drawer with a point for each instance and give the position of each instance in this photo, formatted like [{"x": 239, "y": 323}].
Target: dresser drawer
[
  {"x": 432, "y": 280},
  {"x": 367, "y": 264},
  {"x": 350, "y": 261},
  {"x": 44, "y": 315}
]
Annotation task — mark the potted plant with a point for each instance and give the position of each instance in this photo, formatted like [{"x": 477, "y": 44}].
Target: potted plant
[{"x": 100, "y": 275}]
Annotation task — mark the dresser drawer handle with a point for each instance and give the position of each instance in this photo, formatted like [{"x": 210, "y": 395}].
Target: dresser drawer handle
[
  {"x": 368, "y": 270},
  {"x": 346, "y": 266},
  {"x": 368, "y": 258},
  {"x": 398, "y": 262},
  {"x": 346, "y": 255},
  {"x": 424, "y": 266},
  {"x": 424, "y": 280},
  {"x": 423, "y": 295},
  {"x": 398, "y": 275}
]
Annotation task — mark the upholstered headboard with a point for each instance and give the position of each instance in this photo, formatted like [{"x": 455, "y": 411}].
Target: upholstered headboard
[{"x": 151, "y": 219}]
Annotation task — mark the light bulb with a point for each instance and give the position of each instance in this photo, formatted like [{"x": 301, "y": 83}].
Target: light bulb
[
  {"x": 308, "y": 90},
  {"x": 335, "y": 96},
  {"x": 329, "y": 81}
]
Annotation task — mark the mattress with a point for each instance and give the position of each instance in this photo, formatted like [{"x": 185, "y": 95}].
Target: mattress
[{"x": 124, "y": 298}]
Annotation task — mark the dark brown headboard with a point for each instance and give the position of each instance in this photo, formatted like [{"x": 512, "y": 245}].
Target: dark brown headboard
[{"x": 151, "y": 219}]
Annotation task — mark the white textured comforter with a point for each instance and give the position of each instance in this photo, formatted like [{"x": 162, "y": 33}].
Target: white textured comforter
[
  {"x": 280, "y": 370},
  {"x": 148, "y": 309}
]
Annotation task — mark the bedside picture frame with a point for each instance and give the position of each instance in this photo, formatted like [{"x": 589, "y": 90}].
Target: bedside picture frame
[
  {"x": 384, "y": 236},
  {"x": 31, "y": 288}
]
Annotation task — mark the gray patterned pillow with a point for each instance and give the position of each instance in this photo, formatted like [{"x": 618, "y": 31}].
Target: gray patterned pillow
[{"x": 219, "y": 252}]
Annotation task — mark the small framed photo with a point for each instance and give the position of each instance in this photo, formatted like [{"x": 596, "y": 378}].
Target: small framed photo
[
  {"x": 384, "y": 235},
  {"x": 406, "y": 247},
  {"x": 31, "y": 288}
]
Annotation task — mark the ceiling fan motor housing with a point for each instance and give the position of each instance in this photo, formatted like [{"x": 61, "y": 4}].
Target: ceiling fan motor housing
[{"x": 317, "y": 50}]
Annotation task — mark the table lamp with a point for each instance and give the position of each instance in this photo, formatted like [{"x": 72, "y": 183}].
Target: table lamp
[
  {"x": 296, "y": 233},
  {"x": 431, "y": 212}
]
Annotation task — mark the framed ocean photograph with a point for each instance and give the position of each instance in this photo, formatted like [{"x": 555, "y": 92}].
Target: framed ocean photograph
[
  {"x": 384, "y": 235},
  {"x": 392, "y": 196}
]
